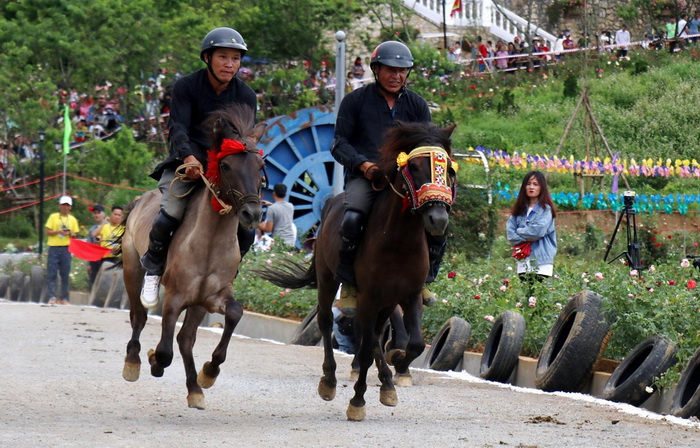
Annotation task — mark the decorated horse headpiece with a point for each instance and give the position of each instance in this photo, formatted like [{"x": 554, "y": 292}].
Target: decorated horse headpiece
[
  {"x": 228, "y": 147},
  {"x": 441, "y": 188}
]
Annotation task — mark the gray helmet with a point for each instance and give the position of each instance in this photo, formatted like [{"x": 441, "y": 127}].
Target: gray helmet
[
  {"x": 393, "y": 54},
  {"x": 223, "y": 38}
]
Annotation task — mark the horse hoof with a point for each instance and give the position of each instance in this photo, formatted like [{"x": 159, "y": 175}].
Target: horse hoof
[
  {"x": 196, "y": 400},
  {"x": 354, "y": 375},
  {"x": 204, "y": 380},
  {"x": 355, "y": 414},
  {"x": 131, "y": 371},
  {"x": 404, "y": 380},
  {"x": 326, "y": 392},
  {"x": 388, "y": 397},
  {"x": 394, "y": 355}
]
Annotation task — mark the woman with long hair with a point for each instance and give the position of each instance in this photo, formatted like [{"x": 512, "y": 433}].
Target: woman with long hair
[{"x": 532, "y": 220}]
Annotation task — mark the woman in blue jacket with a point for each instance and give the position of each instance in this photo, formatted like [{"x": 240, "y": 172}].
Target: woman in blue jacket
[{"x": 532, "y": 220}]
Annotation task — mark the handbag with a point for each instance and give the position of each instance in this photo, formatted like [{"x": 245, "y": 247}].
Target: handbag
[{"x": 521, "y": 251}]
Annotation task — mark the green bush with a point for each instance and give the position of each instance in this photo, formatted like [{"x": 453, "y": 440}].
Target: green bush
[{"x": 17, "y": 225}]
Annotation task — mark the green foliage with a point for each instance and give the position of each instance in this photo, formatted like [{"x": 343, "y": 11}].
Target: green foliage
[
  {"x": 507, "y": 106},
  {"x": 472, "y": 223},
  {"x": 17, "y": 226},
  {"x": 628, "y": 13},
  {"x": 571, "y": 88}
]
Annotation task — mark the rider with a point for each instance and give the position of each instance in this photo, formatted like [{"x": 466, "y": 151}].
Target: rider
[
  {"x": 364, "y": 116},
  {"x": 194, "y": 97}
]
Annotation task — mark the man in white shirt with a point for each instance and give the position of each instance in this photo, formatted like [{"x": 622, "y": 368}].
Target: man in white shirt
[{"x": 622, "y": 38}]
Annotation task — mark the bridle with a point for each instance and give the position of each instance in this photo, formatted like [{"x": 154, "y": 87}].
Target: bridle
[{"x": 442, "y": 188}]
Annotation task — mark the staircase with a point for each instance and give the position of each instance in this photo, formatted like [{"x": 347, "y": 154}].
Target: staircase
[{"x": 499, "y": 21}]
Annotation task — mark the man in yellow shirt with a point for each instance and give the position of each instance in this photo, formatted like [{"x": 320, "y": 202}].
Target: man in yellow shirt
[
  {"x": 109, "y": 232},
  {"x": 60, "y": 227}
]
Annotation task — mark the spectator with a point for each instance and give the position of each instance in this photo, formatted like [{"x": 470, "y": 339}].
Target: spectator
[
  {"x": 96, "y": 129},
  {"x": 671, "y": 34},
  {"x": 559, "y": 46},
  {"x": 81, "y": 130},
  {"x": 501, "y": 55},
  {"x": 694, "y": 27},
  {"x": 532, "y": 220},
  {"x": 682, "y": 26},
  {"x": 483, "y": 53},
  {"x": 513, "y": 60},
  {"x": 60, "y": 228},
  {"x": 344, "y": 330},
  {"x": 109, "y": 232},
  {"x": 98, "y": 214},
  {"x": 622, "y": 38},
  {"x": 280, "y": 217},
  {"x": 568, "y": 42}
]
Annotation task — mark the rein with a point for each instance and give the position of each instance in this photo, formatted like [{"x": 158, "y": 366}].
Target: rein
[{"x": 180, "y": 175}]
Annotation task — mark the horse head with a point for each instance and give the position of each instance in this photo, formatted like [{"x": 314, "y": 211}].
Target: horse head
[
  {"x": 427, "y": 172},
  {"x": 235, "y": 165}
]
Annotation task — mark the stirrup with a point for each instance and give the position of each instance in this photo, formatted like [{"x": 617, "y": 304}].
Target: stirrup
[
  {"x": 429, "y": 297},
  {"x": 149, "y": 291},
  {"x": 348, "y": 300}
]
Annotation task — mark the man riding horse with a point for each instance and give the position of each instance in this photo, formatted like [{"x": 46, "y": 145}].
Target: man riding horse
[
  {"x": 364, "y": 116},
  {"x": 194, "y": 97}
]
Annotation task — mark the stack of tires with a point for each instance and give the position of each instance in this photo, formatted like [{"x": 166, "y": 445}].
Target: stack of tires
[{"x": 108, "y": 291}]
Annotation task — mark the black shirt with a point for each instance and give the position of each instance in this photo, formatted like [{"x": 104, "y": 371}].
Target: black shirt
[
  {"x": 363, "y": 118},
  {"x": 193, "y": 99}
]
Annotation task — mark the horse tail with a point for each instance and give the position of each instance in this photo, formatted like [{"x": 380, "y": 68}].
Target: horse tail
[{"x": 290, "y": 274}]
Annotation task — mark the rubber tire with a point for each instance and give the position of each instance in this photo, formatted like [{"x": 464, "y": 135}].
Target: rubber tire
[
  {"x": 116, "y": 290},
  {"x": 573, "y": 345},
  {"x": 37, "y": 284},
  {"x": 16, "y": 286},
  {"x": 308, "y": 333},
  {"x": 686, "y": 400},
  {"x": 4, "y": 283},
  {"x": 449, "y": 345},
  {"x": 649, "y": 359},
  {"x": 102, "y": 285},
  {"x": 503, "y": 346},
  {"x": 26, "y": 290}
]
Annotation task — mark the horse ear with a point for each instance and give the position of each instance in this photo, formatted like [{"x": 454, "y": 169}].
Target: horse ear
[
  {"x": 258, "y": 131},
  {"x": 449, "y": 129}
]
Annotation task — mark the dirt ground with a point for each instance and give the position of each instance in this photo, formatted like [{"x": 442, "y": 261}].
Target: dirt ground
[{"x": 62, "y": 387}]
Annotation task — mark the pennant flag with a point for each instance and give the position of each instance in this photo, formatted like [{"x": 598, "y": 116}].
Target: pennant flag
[
  {"x": 456, "y": 7},
  {"x": 67, "y": 131},
  {"x": 87, "y": 251}
]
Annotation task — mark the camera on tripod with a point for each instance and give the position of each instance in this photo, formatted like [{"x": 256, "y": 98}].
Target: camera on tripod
[{"x": 633, "y": 255}]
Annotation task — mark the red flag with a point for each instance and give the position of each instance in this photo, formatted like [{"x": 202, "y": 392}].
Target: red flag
[
  {"x": 87, "y": 251},
  {"x": 456, "y": 7}
]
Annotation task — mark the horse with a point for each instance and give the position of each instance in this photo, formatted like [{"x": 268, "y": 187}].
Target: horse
[
  {"x": 204, "y": 254},
  {"x": 417, "y": 191}
]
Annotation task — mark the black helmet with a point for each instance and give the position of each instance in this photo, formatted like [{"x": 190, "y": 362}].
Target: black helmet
[
  {"x": 223, "y": 38},
  {"x": 393, "y": 54}
]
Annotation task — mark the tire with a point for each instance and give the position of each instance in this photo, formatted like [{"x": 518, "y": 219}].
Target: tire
[
  {"x": 25, "y": 296},
  {"x": 4, "y": 283},
  {"x": 686, "y": 400},
  {"x": 37, "y": 281},
  {"x": 637, "y": 371},
  {"x": 102, "y": 285},
  {"x": 502, "y": 347},
  {"x": 308, "y": 332},
  {"x": 16, "y": 286},
  {"x": 116, "y": 290},
  {"x": 448, "y": 346},
  {"x": 573, "y": 345}
]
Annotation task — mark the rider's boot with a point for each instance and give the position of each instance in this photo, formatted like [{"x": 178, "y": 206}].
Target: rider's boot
[
  {"x": 436, "y": 250},
  {"x": 350, "y": 232},
  {"x": 153, "y": 261}
]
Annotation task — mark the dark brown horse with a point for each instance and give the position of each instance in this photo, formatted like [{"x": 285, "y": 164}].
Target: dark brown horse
[
  {"x": 203, "y": 257},
  {"x": 392, "y": 259}
]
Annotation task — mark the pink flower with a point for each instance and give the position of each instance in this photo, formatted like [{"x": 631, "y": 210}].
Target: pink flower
[
  {"x": 692, "y": 284},
  {"x": 503, "y": 288},
  {"x": 630, "y": 295},
  {"x": 634, "y": 273},
  {"x": 585, "y": 280},
  {"x": 685, "y": 263},
  {"x": 652, "y": 268},
  {"x": 599, "y": 276},
  {"x": 489, "y": 318},
  {"x": 518, "y": 305},
  {"x": 532, "y": 301},
  {"x": 281, "y": 293}
]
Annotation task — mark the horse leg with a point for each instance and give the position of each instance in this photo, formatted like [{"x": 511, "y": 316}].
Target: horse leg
[
  {"x": 210, "y": 371},
  {"x": 412, "y": 318},
  {"x": 138, "y": 316},
  {"x": 186, "y": 338},
  {"x": 399, "y": 337},
  {"x": 356, "y": 408},
  {"x": 327, "y": 385},
  {"x": 387, "y": 392},
  {"x": 162, "y": 357}
]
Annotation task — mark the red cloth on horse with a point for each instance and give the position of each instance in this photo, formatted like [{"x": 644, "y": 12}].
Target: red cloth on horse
[{"x": 87, "y": 251}]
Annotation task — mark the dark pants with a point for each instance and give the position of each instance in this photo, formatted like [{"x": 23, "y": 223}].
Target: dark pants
[{"x": 58, "y": 263}]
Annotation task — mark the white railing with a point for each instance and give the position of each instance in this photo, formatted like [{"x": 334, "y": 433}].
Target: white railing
[{"x": 500, "y": 22}]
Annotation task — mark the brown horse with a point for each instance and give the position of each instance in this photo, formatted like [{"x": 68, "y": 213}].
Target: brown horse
[
  {"x": 204, "y": 254},
  {"x": 392, "y": 259}
]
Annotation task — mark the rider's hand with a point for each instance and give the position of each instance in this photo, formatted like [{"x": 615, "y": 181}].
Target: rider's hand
[
  {"x": 193, "y": 172},
  {"x": 368, "y": 168}
]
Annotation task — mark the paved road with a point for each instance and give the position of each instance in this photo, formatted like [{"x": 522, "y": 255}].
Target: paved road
[{"x": 60, "y": 371}]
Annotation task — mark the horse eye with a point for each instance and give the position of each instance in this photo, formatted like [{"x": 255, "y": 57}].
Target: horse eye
[{"x": 224, "y": 167}]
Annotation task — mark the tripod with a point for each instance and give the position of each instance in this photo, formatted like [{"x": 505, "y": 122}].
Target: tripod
[{"x": 632, "y": 253}]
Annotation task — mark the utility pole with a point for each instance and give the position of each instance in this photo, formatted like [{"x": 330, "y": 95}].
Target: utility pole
[{"x": 339, "y": 95}]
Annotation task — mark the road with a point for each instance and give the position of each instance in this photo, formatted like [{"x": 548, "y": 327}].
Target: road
[{"x": 62, "y": 387}]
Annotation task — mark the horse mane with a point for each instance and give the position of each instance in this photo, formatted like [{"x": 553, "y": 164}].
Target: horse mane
[
  {"x": 405, "y": 137},
  {"x": 235, "y": 121}
]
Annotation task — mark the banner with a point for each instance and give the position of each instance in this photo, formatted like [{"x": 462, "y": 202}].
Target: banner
[
  {"x": 67, "y": 130},
  {"x": 456, "y": 7}
]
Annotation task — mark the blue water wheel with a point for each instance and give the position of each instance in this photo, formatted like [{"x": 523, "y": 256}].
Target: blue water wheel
[{"x": 297, "y": 150}]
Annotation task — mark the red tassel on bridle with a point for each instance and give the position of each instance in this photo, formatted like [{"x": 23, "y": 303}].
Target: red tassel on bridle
[{"x": 228, "y": 147}]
